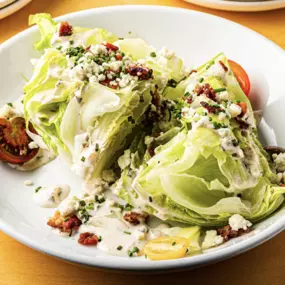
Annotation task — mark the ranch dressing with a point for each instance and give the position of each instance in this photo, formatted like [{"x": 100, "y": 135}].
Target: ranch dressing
[{"x": 51, "y": 196}]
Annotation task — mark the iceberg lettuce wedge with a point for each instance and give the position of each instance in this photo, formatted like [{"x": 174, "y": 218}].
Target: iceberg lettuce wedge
[{"x": 214, "y": 166}]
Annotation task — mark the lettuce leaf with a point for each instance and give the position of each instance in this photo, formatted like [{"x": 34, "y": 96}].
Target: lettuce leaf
[
  {"x": 80, "y": 36},
  {"x": 47, "y": 27},
  {"x": 164, "y": 63},
  {"x": 193, "y": 179}
]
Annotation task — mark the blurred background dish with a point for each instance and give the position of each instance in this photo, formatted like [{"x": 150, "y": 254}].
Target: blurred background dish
[
  {"x": 8, "y": 7},
  {"x": 5, "y": 3},
  {"x": 246, "y": 6}
]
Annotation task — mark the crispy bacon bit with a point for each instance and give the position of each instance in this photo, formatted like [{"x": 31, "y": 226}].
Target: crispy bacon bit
[
  {"x": 88, "y": 239},
  {"x": 56, "y": 221},
  {"x": 65, "y": 29},
  {"x": 243, "y": 108},
  {"x": 143, "y": 73},
  {"x": 88, "y": 50},
  {"x": 107, "y": 81},
  {"x": 155, "y": 97},
  {"x": 211, "y": 108},
  {"x": 225, "y": 68},
  {"x": 73, "y": 223},
  {"x": 118, "y": 56},
  {"x": 135, "y": 218},
  {"x": 188, "y": 100},
  {"x": 192, "y": 71},
  {"x": 151, "y": 150},
  {"x": 243, "y": 125},
  {"x": 110, "y": 46},
  {"x": 65, "y": 225},
  {"x": 227, "y": 233},
  {"x": 207, "y": 90}
]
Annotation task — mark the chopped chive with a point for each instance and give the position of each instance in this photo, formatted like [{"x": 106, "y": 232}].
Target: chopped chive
[
  {"x": 66, "y": 219},
  {"x": 121, "y": 38},
  {"x": 220, "y": 90},
  {"x": 38, "y": 189},
  {"x": 128, "y": 207},
  {"x": 235, "y": 143},
  {"x": 10, "y": 104},
  {"x": 210, "y": 118},
  {"x": 218, "y": 125},
  {"x": 145, "y": 256},
  {"x": 150, "y": 199},
  {"x": 24, "y": 77},
  {"x": 174, "y": 243},
  {"x": 90, "y": 206},
  {"x": 186, "y": 94},
  {"x": 201, "y": 79},
  {"x": 101, "y": 200},
  {"x": 120, "y": 207},
  {"x": 96, "y": 147},
  {"x": 127, "y": 233},
  {"x": 82, "y": 203},
  {"x": 83, "y": 158},
  {"x": 153, "y": 54},
  {"x": 59, "y": 48},
  {"x": 99, "y": 238},
  {"x": 130, "y": 254},
  {"x": 172, "y": 83},
  {"x": 209, "y": 65},
  {"x": 71, "y": 42},
  {"x": 119, "y": 247},
  {"x": 135, "y": 250}
]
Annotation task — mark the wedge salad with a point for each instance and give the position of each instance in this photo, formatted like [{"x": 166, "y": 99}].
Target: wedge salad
[{"x": 169, "y": 157}]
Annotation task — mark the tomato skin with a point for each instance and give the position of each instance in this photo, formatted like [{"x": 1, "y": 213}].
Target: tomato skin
[
  {"x": 14, "y": 141},
  {"x": 111, "y": 47},
  {"x": 241, "y": 76},
  {"x": 243, "y": 108}
]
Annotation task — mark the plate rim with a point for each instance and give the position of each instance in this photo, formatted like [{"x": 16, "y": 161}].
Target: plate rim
[
  {"x": 114, "y": 263},
  {"x": 240, "y": 6},
  {"x": 13, "y": 7}
]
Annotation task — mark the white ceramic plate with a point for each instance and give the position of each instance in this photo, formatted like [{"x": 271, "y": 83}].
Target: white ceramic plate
[
  {"x": 8, "y": 7},
  {"x": 194, "y": 36},
  {"x": 247, "y": 6}
]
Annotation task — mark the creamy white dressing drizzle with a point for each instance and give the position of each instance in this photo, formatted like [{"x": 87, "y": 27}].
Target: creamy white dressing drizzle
[
  {"x": 118, "y": 237},
  {"x": 116, "y": 234},
  {"x": 51, "y": 196},
  {"x": 14, "y": 109},
  {"x": 43, "y": 157},
  {"x": 106, "y": 220}
]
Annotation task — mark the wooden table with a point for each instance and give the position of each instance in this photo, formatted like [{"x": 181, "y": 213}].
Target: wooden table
[{"x": 20, "y": 265}]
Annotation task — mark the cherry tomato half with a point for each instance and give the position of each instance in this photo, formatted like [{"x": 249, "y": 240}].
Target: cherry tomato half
[
  {"x": 164, "y": 248},
  {"x": 241, "y": 76},
  {"x": 14, "y": 141}
]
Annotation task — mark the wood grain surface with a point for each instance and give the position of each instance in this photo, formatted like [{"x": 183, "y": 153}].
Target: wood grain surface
[{"x": 20, "y": 265}]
